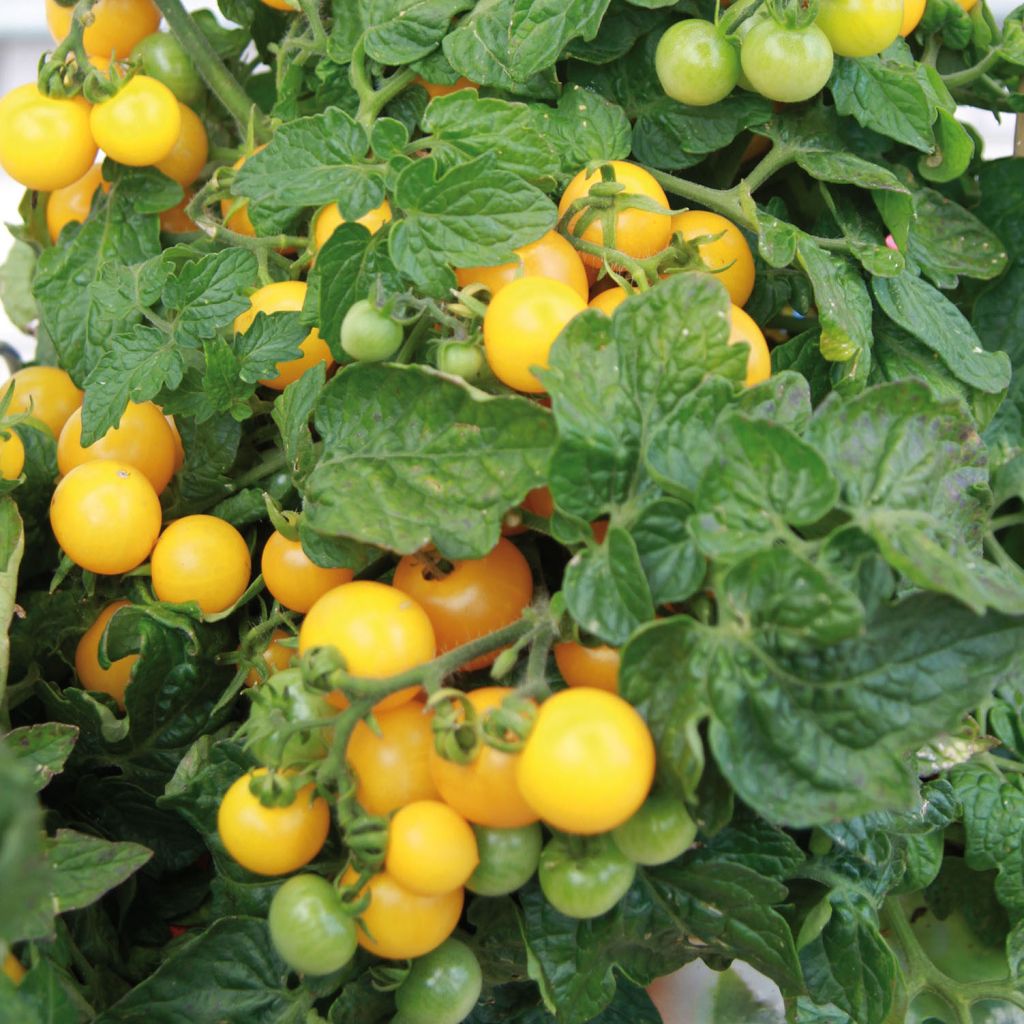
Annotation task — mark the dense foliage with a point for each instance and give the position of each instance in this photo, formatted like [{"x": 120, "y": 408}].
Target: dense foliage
[{"x": 302, "y": 407}]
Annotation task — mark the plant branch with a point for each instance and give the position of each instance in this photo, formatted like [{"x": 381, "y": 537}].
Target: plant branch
[
  {"x": 222, "y": 83},
  {"x": 968, "y": 75}
]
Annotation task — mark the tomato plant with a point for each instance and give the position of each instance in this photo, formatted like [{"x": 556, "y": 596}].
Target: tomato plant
[{"x": 624, "y": 403}]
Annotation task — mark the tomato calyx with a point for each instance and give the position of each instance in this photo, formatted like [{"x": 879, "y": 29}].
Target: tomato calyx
[
  {"x": 277, "y": 789},
  {"x": 366, "y": 837},
  {"x": 793, "y": 14}
]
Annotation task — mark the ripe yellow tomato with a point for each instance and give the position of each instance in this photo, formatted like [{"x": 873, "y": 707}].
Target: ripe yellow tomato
[
  {"x": 272, "y": 840},
  {"x": 179, "y": 448},
  {"x": 235, "y": 211},
  {"x": 485, "y": 791},
  {"x": 743, "y": 328},
  {"x": 609, "y": 300},
  {"x": 47, "y": 392},
  {"x": 638, "y": 233},
  {"x": 91, "y": 674},
  {"x": 431, "y": 849},
  {"x": 139, "y": 125},
  {"x": 477, "y": 597},
  {"x": 142, "y": 439},
  {"x": 551, "y": 256},
  {"x": 106, "y": 516},
  {"x": 378, "y": 630},
  {"x": 913, "y": 12},
  {"x": 293, "y": 578},
  {"x": 275, "y": 656},
  {"x": 13, "y": 969},
  {"x": 116, "y": 27},
  {"x": 393, "y": 769},
  {"x": 728, "y": 257},
  {"x": 434, "y": 89},
  {"x": 286, "y": 297},
  {"x": 588, "y": 666},
  {"x": 202, "y": 559},
  {"x": 399, "y": 924},
  {"x": 12, "y": 455},
  {"x": 588, "y": 763},
  {"x": 187, "y": 158},
  {"x": 520, "y": 326},
  {"x": 329, "y": 219},
  {"x": 71, "y": 205},
  {"x": 860, "y": 28},
  {"x": 45, "y": 143}
]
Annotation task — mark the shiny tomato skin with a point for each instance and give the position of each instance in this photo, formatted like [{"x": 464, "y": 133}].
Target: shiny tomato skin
[
  {"x": 399, "y": 924},
  {"x": 106, "y": 517},
  {"x": 116, "y": 27},
  {"x": 310, "y": 928},
  {"x": 696, "y": 64},
  {"x": 162, "y": 57},
  {"x": 588, "y": 666},
  {"x": 91, "y": 674},
  {"x": 638, "y": 233},
  {"x": 860, "y": 28},
  {"x": 142, "y": 439},
  {"x": 788, "y": 65},
  {"x": 12, "y": 455},
  {"x": 609, "y": 300},
  {"x": 508, "y": 859},
  {"x": 588, "y": 763},
  {"x": 203, "y": 559},
  {"x": 913, "y": 12},
  {"x": 584, "y": 884},
  {"x": 484, "y": 791},
  {"x": 272, "y": 840},
  {"x": 138, "y": 126},
  {"x": 293, "y": 578},
  {"x": 659, "y": 832},
  {"x": 441, "y": 987},
  {"x": 431, "y": 848},
  {"x": 478, "y": 596},
  {"x": 47, "y": 392},
  {"x": 393, "y": 769},
  {"x": 187, "y": 158},
  {"x": 520, "y": 326},
  {"x": 551, "y": 256},
  {"x": 728, "y": 257},
  {"x": 743, "y": 328},
  {"x": 286, "y": 297},
  {"x": 45, "y": 143},
  {"x": 71, "y": 204}
]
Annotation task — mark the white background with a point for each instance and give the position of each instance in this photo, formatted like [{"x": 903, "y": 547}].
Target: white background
[{"x": 23, "y": 36}]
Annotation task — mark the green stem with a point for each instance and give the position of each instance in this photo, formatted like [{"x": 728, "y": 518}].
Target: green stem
[
  {"x": 774, "y": 160},
  {"x": 721, "y": 201},
  {"x": 222, "y": 83},
  {"x": 391, "y": 87},
  {"x": 968, "y": 75},
  {"x": 411, "y": 345}
]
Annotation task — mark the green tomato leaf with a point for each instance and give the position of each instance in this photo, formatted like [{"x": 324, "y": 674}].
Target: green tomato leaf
[
  {"x": 16, "y": 285},
  {"x": 270, "y": 339},
  {"x": 401, "y": 31},
  {"x": 848, "y": 169},
  {"x": 1002, "y": 202},
  {"x": 412, "y": 457},
  {"x": 674, "y": 567},
  {"x": 998, "y": 315},
  {"x": 44, "y": 747},
  {"x": 207, "y": 294},
  {"x": 293, "y": 409},
  {"x": 587, "y": 127},
  {"x": 84, "y": 867}
]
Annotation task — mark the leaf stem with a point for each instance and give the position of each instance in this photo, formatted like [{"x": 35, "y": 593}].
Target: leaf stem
[
  {"x": 968, "y": 75},
  {"x": 774, "y": 160},
  {"x": 222, "y": 83}
]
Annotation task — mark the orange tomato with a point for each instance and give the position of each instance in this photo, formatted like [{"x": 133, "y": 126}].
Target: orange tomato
[
  {"x": 551, "y": 256},
  {"x": 588, "y": 666},
  {"x": 92, "y": 675}
]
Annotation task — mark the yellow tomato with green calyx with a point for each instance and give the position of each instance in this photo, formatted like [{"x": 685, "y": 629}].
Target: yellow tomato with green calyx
[
  {"x": 551, "y": 256},
  {"x": 139, "y": 125},
  {"x": 117, "y": 25},
  {"x": 728, "y": 257}
]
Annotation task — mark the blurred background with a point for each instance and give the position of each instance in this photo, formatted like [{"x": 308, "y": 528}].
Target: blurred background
[{"x": 684, "y": 998}]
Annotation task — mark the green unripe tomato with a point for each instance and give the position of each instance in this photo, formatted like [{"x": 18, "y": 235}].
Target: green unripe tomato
[
  {"x": 659, "y": 832},
  {"x": 285, "y": 691},
  {"x": 460, "y": 359},
  {"x": 162, "y": 57},
  {"x": 696, "y": 64},
  {"x": 309, "y": 926},
  {"x": 508, "y": 859},
  {"x": 369, "y": 336},
  {"x": 441, "y": 987},
  {"x": 788, "y": 65}
]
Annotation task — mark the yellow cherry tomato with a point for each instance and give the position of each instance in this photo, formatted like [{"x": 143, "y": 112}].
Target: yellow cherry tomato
[
  {"x": 91, "y": 674},
  {"x": 609, "y": 300},
  {"x": 377, "y": 629},
  {"x": 293, "y": 578},
  {"x": 106, "y": 516},
  {"x": 588, "y": 762},
  {"x": 520, "y": 326},
  {"x": 551, "y": 256},
  {"x": 71, "y": 205},
  {"x": 743, "y": 328},
  {"x": 47, "y": 392},
  {"x": 393, "y": 768},
  {"x": 399, "y": 924},
  {"x": 202, "y": 559},
  {"x": 431, "y": 849},
  {"x": 588, "y": 666},
  {"x": 235, "y": 211},
  {"x": 12, "y": 455},
  {"x": 434, "y": 89},
  {"x": 638, "y": 233},
  {"x": 139, "y": 125},
  {"x": 860, "y": 28},
  {"x": 485, "y": 791},
  {"x": 913, "y": 12},
  {"x": 45, "y": 143},
  {"x": 116, "y": 27},
  {"x": 329, "y": 219},
  {"x": 142, "y": 439},
  {"x": 728, "y": 257},
  {"x": 272, "y": 840},
  {"x": 286, "y": 297},
  {"x": 275, "y": 656},
  {"x": 187, "y": 158},
  {"x": 179, "y": 448},
  {"x": 13, "y": 969}
]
